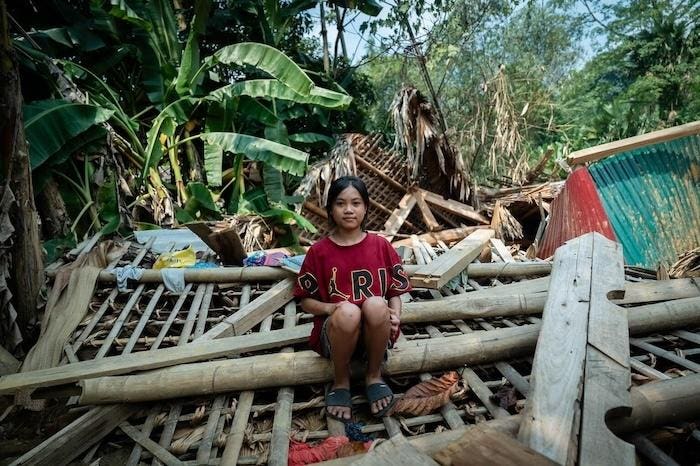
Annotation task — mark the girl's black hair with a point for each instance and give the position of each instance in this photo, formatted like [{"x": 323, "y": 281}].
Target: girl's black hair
[{"x": 337, "y": 187}]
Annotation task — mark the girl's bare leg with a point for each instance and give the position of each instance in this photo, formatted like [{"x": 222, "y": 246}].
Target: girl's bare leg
[
  {"x": 377, "y": 330},
  {"x": 343, "y": 333}
]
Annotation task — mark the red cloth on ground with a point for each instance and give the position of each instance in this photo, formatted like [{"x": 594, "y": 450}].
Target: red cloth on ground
[
  {"x": 332, "y": 273},
  {"x": 301, "y": 453}
]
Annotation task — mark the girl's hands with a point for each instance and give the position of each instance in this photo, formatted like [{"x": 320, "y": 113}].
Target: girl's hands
[{"x": 395, "y": 323}]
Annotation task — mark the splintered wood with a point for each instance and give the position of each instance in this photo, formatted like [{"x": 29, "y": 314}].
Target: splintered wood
[
  {"x": 582, "y": 351},
  {"x": 437, "y": 273}
]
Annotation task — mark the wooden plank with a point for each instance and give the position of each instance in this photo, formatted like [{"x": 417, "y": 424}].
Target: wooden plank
[
  {"x": 426, "y": 213},
  {"x": 454, "y": 207},
  {"x": 592, "y": 154},
  {"x": 481, "y": 446},
  {"x": 548, "y": 425},
  {"x": 158, "y": 451},
  {"x": 514, "y": 377},
  {"x": 253, "y": 313},
  {"x": 204, "y": 450},
  {"x": 501, "y": 250},
  {"x": 281, "y": 423},
  {"x": 448, "y": 236},
  {"x": 399, "y": 216},
  {"x": 607, "y": 374},
  {"x": 237, "y": 432},
  {"x": 396, "y": 451},
  {"x": 484, "y": 393},
  {"x": 64, "y": 446},
  {"x": 146, "y": 429},
  {"x": 450, "y": 264}
]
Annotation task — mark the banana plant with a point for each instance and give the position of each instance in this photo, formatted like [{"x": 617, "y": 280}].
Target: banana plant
[{"x": 188, "y": 112}]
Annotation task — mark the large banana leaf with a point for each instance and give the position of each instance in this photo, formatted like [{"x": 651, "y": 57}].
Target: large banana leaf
[
  {"x": 219, "y": 118},
  {"x": 190, "y": 57},
  {"x": 312, "y": 138},
  {"x": 50, "y": 124},
  {"x": 268, "y": 59},
  {"x": 283, "y": 158},
  {"x": 120, "y": 9},
  {"x": 274, "y": 89}
]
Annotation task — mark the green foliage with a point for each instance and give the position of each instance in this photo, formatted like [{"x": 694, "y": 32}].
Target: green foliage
[{"x": 52, "y": 126}]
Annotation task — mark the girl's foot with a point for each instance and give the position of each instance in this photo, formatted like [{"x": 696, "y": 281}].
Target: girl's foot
[
  {"x": 339, "y": 403},
  {"x": 379, "y": 395}
]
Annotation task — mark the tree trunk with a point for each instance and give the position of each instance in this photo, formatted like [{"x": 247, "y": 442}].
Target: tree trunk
[
  {"x": 28, "y": 271},
  {"x": 54, "y": 214},
  {"x": 324, "y": 37}
]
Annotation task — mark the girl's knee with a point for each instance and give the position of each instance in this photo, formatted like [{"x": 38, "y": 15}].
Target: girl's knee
[
  {"x": 346, "y": 318},
  {"x": 375, "y": 311}
]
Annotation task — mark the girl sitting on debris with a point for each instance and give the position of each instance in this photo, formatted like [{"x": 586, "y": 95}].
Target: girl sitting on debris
[{"x": 351, "y": 282}]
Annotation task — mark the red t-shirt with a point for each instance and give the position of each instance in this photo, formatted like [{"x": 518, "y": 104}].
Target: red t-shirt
[{"x": 332, "y": 273}]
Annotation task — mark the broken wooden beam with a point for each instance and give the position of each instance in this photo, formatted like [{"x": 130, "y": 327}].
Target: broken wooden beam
[
  {"x": 447, "y": 236},
  {"x": 276, "y": 370},
  {"x": 437, "y": 273},
  {"x": 398, "y": 216},
  {"x": 454, "y": 207},
  {"x": 592, "y": 154},
  {"x": 580, "y": 327}
]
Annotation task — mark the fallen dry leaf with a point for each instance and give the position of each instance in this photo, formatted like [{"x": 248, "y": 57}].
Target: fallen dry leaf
[{"x": 428, "y": 396}]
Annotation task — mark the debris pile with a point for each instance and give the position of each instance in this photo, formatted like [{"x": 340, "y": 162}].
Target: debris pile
[{"x": 504, "y": 356}]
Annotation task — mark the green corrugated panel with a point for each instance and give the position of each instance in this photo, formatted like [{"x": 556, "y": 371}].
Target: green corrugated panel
[{"x": 652, "y": 197}]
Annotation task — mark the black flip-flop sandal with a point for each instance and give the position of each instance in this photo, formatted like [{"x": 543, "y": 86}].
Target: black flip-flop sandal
[
  {"x": 376, "y": 392},
  {"x": 339, "y": 397}
]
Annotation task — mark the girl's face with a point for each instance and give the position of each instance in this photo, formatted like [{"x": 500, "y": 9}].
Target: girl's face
[{"x": 349, "y": 209}]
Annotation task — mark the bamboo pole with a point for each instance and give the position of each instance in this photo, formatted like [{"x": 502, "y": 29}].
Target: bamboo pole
[
  {"x": 266, "y": 273},
  {"x": 306, "y": 367}
]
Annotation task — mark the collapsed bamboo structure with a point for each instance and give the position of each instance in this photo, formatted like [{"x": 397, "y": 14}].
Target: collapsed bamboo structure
[{"x": 150, "y": 343}]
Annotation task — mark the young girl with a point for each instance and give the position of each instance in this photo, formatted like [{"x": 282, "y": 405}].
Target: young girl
[{"x": 351, "y": 282}]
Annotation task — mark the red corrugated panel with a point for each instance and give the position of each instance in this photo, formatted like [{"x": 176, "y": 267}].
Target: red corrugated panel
[{"x": 577, "y": 210}]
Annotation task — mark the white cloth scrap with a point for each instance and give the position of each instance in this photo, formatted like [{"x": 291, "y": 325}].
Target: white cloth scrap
[
  {"x": 125, "y": 273},
  {"x": 173, "y": 279}
]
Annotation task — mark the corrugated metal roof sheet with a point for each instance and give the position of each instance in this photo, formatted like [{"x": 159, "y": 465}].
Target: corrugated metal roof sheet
[
  {"x": 652, "y": 196},
  {"x": 576, "y": 210}
]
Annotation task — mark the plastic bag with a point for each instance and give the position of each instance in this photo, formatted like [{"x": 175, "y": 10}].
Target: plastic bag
[{"x": 185, "y": 258}]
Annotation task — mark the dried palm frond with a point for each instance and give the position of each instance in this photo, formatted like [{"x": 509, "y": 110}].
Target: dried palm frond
[
  {"x": 432, "y": 161},
  {"x": 687, "y": 265},
  {"x": 507, "y": 149},
  {"x": 340, "y": 162},
  {"x": 184, "y": 438}
]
